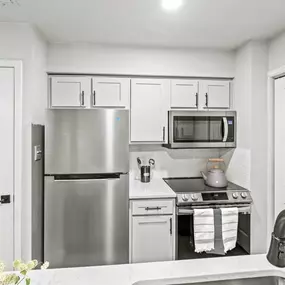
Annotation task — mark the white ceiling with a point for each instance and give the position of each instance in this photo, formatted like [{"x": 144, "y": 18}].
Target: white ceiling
[{"x": 199, "y": 23}]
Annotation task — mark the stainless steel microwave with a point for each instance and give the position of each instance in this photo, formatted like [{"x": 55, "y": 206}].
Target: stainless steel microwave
[{"x": 202, "y": 129}]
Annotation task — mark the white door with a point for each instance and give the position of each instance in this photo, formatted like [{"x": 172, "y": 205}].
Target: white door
[
  {"x": 70, "y": 91},
  {"x": 217, "y": 94},
  {"x": 111, "y": 92},
  {"x": 152, "y": 239},
  {"x": 7, "y": 164},
  {"x": 149, "y": 105},
  {"x": 279, "y": 146},
  {"x": 184, "y": 94}
]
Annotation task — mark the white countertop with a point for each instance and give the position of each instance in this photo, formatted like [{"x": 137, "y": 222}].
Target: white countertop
[
  {"x": 172, "y": 272},
  {"x": 156, "y": 188}
]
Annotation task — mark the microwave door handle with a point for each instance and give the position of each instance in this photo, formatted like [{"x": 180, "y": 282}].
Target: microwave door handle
[{"x": 226, "y": 129}]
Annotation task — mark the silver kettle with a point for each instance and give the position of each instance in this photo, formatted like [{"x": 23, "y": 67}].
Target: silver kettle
[{"x": 216, "y": 176}]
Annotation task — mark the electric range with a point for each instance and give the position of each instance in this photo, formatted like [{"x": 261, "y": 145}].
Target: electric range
[{"x": 192, "y": 191}]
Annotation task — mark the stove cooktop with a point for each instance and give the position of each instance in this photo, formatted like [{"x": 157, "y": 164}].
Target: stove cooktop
[
  {"x": 194, "y": 191},
  {"x": 197, "y": 185}
]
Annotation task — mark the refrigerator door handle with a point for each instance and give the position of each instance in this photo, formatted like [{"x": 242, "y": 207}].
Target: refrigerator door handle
[{"x": 87, "y": 177}]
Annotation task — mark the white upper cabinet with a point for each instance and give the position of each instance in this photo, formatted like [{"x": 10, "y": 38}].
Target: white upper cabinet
[
  {"x": 110, "y": 92},
  {"x": 216, "y": 94},
  {"x": 70, "y": 91},
  {"x": 152, "y": 239},
  {"x": 149, "y": 105},
  {"x": 184, "y": 94}
]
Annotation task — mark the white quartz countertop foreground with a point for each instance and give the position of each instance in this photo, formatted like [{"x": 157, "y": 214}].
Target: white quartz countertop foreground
[
  {"x": 172, "y": 272},
  {"x": 156, "y": 188}
]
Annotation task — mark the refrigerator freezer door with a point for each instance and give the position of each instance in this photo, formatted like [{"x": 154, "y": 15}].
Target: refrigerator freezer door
[
  {"x": 87, "y": 141},
  {"x": 86, "y": 222}
]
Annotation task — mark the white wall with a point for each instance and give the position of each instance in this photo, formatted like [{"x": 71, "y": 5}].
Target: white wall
[
  {"x": 277, "y": 52},
  {"x": 88, "y": 58},
  {"x": 172, "y": 163},
  {"x": 248, "y": 163},
  {"x": 21, "y": 41}
]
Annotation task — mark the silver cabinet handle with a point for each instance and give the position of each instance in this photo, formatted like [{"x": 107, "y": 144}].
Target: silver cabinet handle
[
  {"x": 163, "y": 133},
  {"x": 153, "y": 208},
  {"x": 152, "y": 222},
  {"x": 82, "y": 98},
  {"x": 94, "y": 98},
  {"x": 170, "y": 226},
  {"x": 207, "y": 100},
  {"x": 196, "y": 99}
]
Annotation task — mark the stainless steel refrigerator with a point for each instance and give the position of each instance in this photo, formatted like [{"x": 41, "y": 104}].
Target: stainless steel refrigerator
[{"x": 86, "y": 187}]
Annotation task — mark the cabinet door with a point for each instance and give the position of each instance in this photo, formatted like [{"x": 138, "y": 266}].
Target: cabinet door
[
  {"x": 152, "y": 239},
  {"x": 70, "y": 91},
  {"x": 111, "y": 92},
  {"x": 184, "y": 94},
  {"x": 217, "y": 94},
  {"x": 149, "y": 105}
]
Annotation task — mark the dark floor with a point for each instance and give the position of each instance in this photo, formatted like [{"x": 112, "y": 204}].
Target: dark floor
[{"x": 186, "y": 250}]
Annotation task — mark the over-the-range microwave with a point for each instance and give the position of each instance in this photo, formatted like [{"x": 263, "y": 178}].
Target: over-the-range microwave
[{"x": 201, "y": 129}]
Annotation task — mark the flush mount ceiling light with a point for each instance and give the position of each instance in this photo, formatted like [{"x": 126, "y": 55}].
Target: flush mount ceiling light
[{"x": 171, "y": 5}]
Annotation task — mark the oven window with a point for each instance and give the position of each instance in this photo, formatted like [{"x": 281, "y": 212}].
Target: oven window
[{"x": 197, "y": 129}]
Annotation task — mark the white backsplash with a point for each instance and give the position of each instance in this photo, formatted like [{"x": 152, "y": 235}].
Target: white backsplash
[
  {"x": 172, "y": 163},
  {"x": 238, "y": 166}
]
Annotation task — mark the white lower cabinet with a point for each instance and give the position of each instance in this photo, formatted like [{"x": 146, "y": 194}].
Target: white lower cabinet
[
  {"x": 152, "y": 230},
  {"x": 152, "y": 238}
]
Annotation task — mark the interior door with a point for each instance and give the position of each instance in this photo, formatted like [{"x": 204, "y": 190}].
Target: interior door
[
  {"x": 279, "y": 196},
  {"x": 184, "y": 94},
  {"x": 7, "y": 165},
  {"x": 110, "y": 92}
]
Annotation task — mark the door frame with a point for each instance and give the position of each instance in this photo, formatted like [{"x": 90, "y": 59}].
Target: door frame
[
  {"x": 271, "y": 76},
  {"x": 18, "y": 97}
]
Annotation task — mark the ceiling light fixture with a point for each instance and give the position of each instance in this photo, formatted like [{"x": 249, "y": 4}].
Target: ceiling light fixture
[{"x": 171, "y": 5}]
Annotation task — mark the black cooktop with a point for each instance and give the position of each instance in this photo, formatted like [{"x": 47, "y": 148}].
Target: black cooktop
[{"x": 197, "y": 184}]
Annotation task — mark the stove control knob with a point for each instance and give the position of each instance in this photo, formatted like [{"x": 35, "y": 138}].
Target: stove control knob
[
  {"x": 194, "y": 197},
  {"x": 185, "y": 197},
  {"x": 235, "y": 195},
  {"x": 243, "y": 195}
]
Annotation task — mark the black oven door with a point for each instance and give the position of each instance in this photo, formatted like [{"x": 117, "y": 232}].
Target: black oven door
[{"x": 186, "y": 243}]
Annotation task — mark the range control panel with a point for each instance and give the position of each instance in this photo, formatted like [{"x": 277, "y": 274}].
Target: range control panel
[{"x": 214, "y": 197}]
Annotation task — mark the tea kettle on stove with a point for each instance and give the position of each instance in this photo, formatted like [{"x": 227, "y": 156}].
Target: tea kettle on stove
[{"x": 216, "y": 176}]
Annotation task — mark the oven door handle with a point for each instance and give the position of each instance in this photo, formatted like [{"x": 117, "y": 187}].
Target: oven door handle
[
  {"x": 242, "y": 210},
  {"x": 226, "y": 129}
]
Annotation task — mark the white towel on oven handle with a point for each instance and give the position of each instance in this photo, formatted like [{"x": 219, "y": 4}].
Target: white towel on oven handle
[
  {"x": 229, "y": 227},
  {"x": 204, "y": 231}
]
